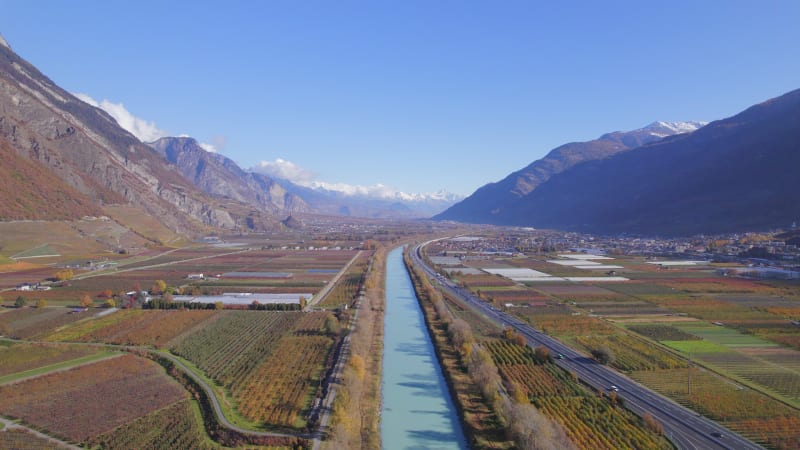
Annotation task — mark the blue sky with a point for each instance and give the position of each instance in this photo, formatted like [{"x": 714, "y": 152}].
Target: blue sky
[{"x": 418, "y": 96}]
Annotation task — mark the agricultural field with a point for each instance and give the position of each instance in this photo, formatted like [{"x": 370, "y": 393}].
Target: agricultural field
[
  {"x": 589, "y": 420},
  {"x": 485, "y": 281},
  {"x": 22, "y": 439},
  {"x": 241, "y": 349},
  {"x": 175, "y": 426},
  {"x": 309, "y": 271},
  {"x": 122, "y": 388},
  {"x": 744, "y": 357},
  {"x": 153, "y": 328},
  {"x": 344, "y": 292},
  {"x": 346, "y": 289},
  {"x": 24, "y": 357},
  {"x": 755, "y": 416},
  {"x": 31, "y": 323}
]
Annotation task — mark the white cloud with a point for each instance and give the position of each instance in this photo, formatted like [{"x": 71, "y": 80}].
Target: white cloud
[
  {"x": 217, "y": 144},
  {"x": 145, "y": 131},
  {"x": 281, "y": 168},
  {"x": 208, "y": 147}
]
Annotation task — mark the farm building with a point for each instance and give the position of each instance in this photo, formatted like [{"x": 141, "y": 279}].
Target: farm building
[
  {"x": 257, "y": 275},
  {"x": 240, "y": 298}
]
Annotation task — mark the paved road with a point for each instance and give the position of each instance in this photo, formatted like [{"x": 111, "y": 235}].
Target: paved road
[
  {"x": 685, "y": 428},
  {"x": 10, "y": 425}
]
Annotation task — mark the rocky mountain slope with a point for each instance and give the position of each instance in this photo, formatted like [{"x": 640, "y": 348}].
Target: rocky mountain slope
[
  {"x": 220, "y": 176},
  {"x": 86, "y": 149},
  {"x": 732, "y": 175},
  {"x": 490, "y": 203}
]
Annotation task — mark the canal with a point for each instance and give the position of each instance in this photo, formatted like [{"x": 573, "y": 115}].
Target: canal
[{"x": 417, "y": 411}]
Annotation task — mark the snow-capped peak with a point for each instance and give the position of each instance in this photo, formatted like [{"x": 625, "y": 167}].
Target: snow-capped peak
[
  {"x": 380, "y": 191},
  {"x": 4, "y": 42},
  {"x": 663, "y": 128}
]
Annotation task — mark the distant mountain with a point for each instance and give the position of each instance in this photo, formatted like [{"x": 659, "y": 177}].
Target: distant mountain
[
  {"x": 220, "y": 176},
  {"x": 371, "y": 205},
  {"x": 735, "y": 174},
  {"x": 492, "y": 202}
]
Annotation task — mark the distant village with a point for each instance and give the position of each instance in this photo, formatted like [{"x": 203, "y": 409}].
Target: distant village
[{"x": 760, "y": 255}]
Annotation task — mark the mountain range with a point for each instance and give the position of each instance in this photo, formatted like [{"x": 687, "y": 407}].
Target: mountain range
[
  {"x": 731, "y": 175},
  {"x": 82, "y": 147},
  {"x": 493, "y": 202},
  {"x": 63, "y": 158}
]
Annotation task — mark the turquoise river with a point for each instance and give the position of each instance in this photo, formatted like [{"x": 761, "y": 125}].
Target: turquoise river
[{"x": 417, "y": 411}]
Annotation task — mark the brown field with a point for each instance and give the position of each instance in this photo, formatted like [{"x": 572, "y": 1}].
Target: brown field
[
  {"x": 745, "y": 411},
  {"x": 28, "y": 322},
  {"x": 65, "y": 404},
  {"x": 485, "y": 281},
  {"x": 310, "y": 271},
  {"x": 513, "y": 295},
  {"x": 22, "y": 357},
  {"x": 153, "y": 328},
  {"x": 575, "y": 290},
  {"x": 22, "y": 439}
]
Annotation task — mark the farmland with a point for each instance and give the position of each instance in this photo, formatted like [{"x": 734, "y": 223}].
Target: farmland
[
  {"x": 241, "y": 349},
  {"x": 64, "y": 404},
  {"x": 264, "y": 367},
  {"x": 560, "y": 397},
  {"x": 22, "y": 439},
  {"x": 133, "y": 327},
  {"x": 742, "y": 332},
  {"x": 24, "y": 357},
  {"x": 31, "y": 323},
  {"x": 309, "y": 271}
]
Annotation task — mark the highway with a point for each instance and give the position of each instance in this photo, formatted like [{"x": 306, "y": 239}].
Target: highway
[{"x": 685, "y": 428}]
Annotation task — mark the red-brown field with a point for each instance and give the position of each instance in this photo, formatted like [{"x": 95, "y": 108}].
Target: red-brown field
[
  {"x": 89, "y": 400},
  {"x": 28, "y": 323},
  {"x": 513, "y": 295},
  {"x": 139, "y": 327},
  {"x": 22, "y": 357},
  {"x": 575, "y": 290},
  {"x": 485, "y": 281},
  {"x": 22, "y": 439}
]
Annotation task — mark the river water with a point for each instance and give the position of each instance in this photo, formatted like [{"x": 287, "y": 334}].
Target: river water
[{"x": 417, "y": 412}]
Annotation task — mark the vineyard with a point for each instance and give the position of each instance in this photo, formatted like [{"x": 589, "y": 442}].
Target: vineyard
[
  {"x": 229, "y": 348},
  {"x": 270, "y": 362},
  {"x": 567, "y": 325},
  {"x": 22, "y": 357},
  {"x": 745, "y": 411},
  {"x": 344, "y": 291},
  {"x": 663, "y": 333},
  {"x": 590, "y": 421},
  {"x": 21, "y": 439},
  {"x": 281, "y": 387},
  {"x": 82, "y": 331},
  {"x": 121, "y": 389},
  {"x": 137, "y": 327},
  {"x": 175, "y": 426},
  {"x": 631, "y": 353},
  {"x": 29, "y": 323}
]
